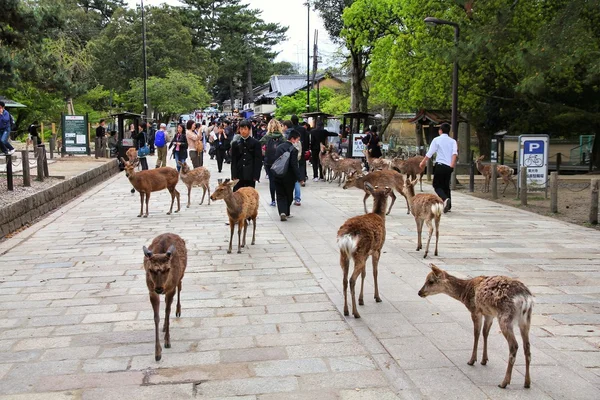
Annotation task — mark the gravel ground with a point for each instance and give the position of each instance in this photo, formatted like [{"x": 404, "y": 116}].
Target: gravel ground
[
  {"x": 21, "y": 192},
  {"x": 573, "y": 201}
]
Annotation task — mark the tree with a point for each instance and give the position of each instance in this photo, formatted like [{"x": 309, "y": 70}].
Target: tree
[{"x": 331, "y": 102}]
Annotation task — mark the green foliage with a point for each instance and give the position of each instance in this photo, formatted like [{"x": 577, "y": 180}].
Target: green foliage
[{"x": 330, "y": 101}]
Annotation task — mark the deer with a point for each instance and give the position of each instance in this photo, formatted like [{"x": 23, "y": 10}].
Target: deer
[
  {"x": 410, "y": 167},
  {"x": 242, "y": 206},
  {"x": 377, "y": 164},
  {"x": 425, "y": 208},
  {"x": 153, "y": 180},
  {"x": 327, "y": 157},
  {"x": 503, "y": 171},
  {"x": 507, "y": 299},
  {"x": 165, "y": 261},
  {"x": 195, "y": 177},
  {"x": 358, "y": 238},
  {"x": 389, "y": 178}
]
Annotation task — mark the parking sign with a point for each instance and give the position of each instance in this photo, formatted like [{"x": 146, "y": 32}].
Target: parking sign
[{"x": 533, "y": 154}]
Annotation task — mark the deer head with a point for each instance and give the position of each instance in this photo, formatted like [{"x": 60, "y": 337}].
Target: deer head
[
  {"x": 184, "y": 167},
  {"x": 435, "y": 282},
  {"x": 130, "y": 167},
  {"x": 223, "y": 190},
  {"x": 157, "y": 268},
  {"x": 351, "y": 179}
]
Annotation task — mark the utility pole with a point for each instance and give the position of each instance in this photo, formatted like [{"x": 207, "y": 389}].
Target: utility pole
[
  {"x": 308, "y": 57},
  {"x": 315, "y": 65},
  {"x": 145, "y": 62}
]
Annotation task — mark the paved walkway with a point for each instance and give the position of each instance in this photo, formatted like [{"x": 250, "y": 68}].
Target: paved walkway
[{"x": 76, "y": 321}]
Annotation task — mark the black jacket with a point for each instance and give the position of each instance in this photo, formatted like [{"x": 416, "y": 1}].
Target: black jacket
[
  {"x": 140, "y": 139},
  {"x": 293, "y": 173},
  {"x": 318, "y": 137},
  {"x": 304, "y": 138},
  {"x": 246, "y": 159},
  {"x": 183, "y": 145}
]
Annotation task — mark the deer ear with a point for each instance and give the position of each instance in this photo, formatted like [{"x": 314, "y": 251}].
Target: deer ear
[
  {"x": 226, "y": 181},
  {"x": 436, "y": 271},
  {"x": 147, "y": 252},
  {"x": 414, "y": 182},
  {"x": 233, "y": 183},
  {"x": 170, "y": 250},
  {"x": 219, "y": 181}
]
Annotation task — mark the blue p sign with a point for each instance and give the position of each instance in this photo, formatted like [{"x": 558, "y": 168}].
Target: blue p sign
[{"x": 534, "y": 147}]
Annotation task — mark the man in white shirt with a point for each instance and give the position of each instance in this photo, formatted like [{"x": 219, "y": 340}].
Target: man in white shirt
[{"x": 446, "y": 151}]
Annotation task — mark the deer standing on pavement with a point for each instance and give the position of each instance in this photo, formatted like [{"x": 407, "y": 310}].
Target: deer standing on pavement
[
  {"x": 410, "y": 167},
  {"x": 389, "y": 178},
  {"x": 152, "y": 180},
  {"x": 164, "y": 261},
  {"x": 359, "y": 238},
  {"x": 425, "y": 208},
  {"x": 505, "y": 172},
  {"x": 487, "y": 297},
  {"x": 195, "y": 177},
  {"x": 376, "y": 164},
  {"x": 242, "y": 206}
]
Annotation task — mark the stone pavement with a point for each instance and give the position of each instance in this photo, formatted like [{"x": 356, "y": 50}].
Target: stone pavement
[{"x": 266, "y": 324}]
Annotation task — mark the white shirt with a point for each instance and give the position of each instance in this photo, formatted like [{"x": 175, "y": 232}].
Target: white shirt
[{"x": 445, "y": 147}]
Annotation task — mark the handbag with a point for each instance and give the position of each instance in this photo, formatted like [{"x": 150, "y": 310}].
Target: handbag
[
  {"x": 281, "y": 165},
  {"x": 199, "y": 146},
  {"x": 144, "y": 150}
]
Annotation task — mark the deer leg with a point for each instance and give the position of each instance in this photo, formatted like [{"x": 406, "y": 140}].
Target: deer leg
[
  {"x": 487, "y": 325},
  {"x": 437, "y": 234},
  {"x": 361, "y": 301},
  {"x": 393, "y": 196},
  {"x": 253, "y": 230},
  {"x": 155, "y": 301},
  {"x": 231, "y": 228},
  {"x": 367, "y": 194},
  {"x": 189, "y": 196},
  {"x": 240, "y": 223},
  {"x": 168, "y": 302},
  {"x": 419, "y": 230},
  {"x": 430, "y": 226},
  {"x": 178, "y": 204},
  {"x": 178, "y": 309},
  {"x": 359, "y": 265},
  {"x": 476, "y": 331},
  {"x": 507, "y": 330},
  {"x": 208, "y": 189},
  {"x": 147, "y": 200},
  {"x": 421, "y": 182},
  {"x": 524, "y": 328},
  {"x": 345, "y": 264},
  {"x": 203, "y": 194},
  {"x": 171, "y": 190},
  {"x": 141, "y": 204},
  {"x": 244, "y": 234},
  {"x": 375, "y": 259}
]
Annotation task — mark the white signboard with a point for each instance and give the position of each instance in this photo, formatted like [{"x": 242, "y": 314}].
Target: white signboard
[
  {"x": 533, "y": 154},
  {"x": 357, "y": 145}
]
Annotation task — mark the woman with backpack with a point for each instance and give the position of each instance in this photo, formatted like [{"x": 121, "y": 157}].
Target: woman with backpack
[
  {"x": 270, "y": 141},
  {"x": 6, "y": 125},
  {"x": 180, "y": 146}
]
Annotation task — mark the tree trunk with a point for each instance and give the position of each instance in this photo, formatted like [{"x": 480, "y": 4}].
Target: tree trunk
[
  {"x": 485, "y": 142},
  {"x": 595, "y": 155},
  {"x": 387, "y": 121},
  {"x": 248, "y": 92},
  {"x": 231, "y": 92},
  {"x": 356, "y": 99}
]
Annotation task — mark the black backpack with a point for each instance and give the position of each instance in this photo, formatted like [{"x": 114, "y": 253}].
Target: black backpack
[{"x": 272, "y": 145}]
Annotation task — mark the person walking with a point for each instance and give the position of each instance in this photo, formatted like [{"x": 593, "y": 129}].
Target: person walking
[
  {"x": 446, "y": 150},
  {"x": 374, "y": 143},
  {"x": 180, "y": 146},
  {"x": 222, "y": 145},
  {"x": 141, "y": 139},
  {"x": 305, "y": 143},
  {"x": 298, "y": 144},
  {"x": 271, "y": 141},
  {"x": 160, "y": 142},
  {"x": 318, "y": 137},
  {"x": 100, "y": 134},
  {"x": 6, "y": 120},
  {"x": 192, "y": 140},
  {"x": 33, "y": 133},
  {"x": 246, "y": 158},
  {"x": 152, "y": 138},
  {"x": 284, "y": 186}
]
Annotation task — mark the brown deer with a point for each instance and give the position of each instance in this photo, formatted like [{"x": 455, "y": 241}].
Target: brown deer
[
  {"x": 425, "y": 208},
  {"x": 327, "y": 157},
  {"x": 410, "y": 167},
  {"x": 153, "y": 180},
  {"x": 242, "y": 206},
  {"x": 195, "y": 177},
  {"x": 389, "y": 178},
  {"x": 376, "y": 164},
  {"x": 359, "y": 238},
  {"x": 503, "y": 171},
  {"x": 165, "y": 262},
  {"x": 502, "y": 297}
]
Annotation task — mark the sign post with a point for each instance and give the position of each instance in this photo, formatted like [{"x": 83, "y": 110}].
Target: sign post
[
  {"x": 533, "y": 154},
  {"x": 75, "y": 139},
  {"x": 356, "y": 146}
]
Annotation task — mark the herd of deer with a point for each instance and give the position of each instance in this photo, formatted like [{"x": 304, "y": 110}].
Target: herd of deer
[{"x": 504, "y": 298}]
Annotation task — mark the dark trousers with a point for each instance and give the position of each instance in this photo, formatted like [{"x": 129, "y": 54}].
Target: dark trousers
[
  {"x": 143, "y": 163},
  {"x": 441, "y": 180},
  {"x": 242, "y": 184},
  {"x": 271, "y": 182},
  {"x": 285, "y": 195},
  {"x": 196, "y": 158},
  {"x": 316, "y": 165},
  {"x": 220, "y": 157}
]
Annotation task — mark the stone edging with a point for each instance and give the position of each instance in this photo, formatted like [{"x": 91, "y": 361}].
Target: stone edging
[{"x": 28, "y": 209}]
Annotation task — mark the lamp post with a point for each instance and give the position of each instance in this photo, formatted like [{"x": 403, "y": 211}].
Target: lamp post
[
  {"x": 145, "y": 62},
  {"x": 308, "y": 57},
  {"x": 436, "y": 21}
]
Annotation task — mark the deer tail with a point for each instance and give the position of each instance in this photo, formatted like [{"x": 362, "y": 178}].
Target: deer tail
[
  {"x": 347, "y": 244},
  {"x": 524, "y": 305},
  {"x": 437, "y": 209}
]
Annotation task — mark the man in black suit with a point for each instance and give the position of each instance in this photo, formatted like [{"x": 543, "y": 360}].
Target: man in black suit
[
  {"x": 305, "y": 140},
  {"x": 246, "y": 158}
]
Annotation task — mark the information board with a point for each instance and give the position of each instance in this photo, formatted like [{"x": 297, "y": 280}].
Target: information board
[
  {"x": 533, "y": 154},
  {"x": 357, "y": 146},
  {"x": 75, "y": 134}
]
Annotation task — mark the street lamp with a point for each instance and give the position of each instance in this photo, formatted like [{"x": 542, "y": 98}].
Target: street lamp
[
  {"x": 145, "y": 62},
  {"x": 435, "y": 22}
]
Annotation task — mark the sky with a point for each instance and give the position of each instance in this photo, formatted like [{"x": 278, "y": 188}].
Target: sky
[{"x": 291, "y": 13}]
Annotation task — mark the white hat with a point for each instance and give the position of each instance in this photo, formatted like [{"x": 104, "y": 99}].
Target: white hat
[{"x": 163, "y": 125}]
